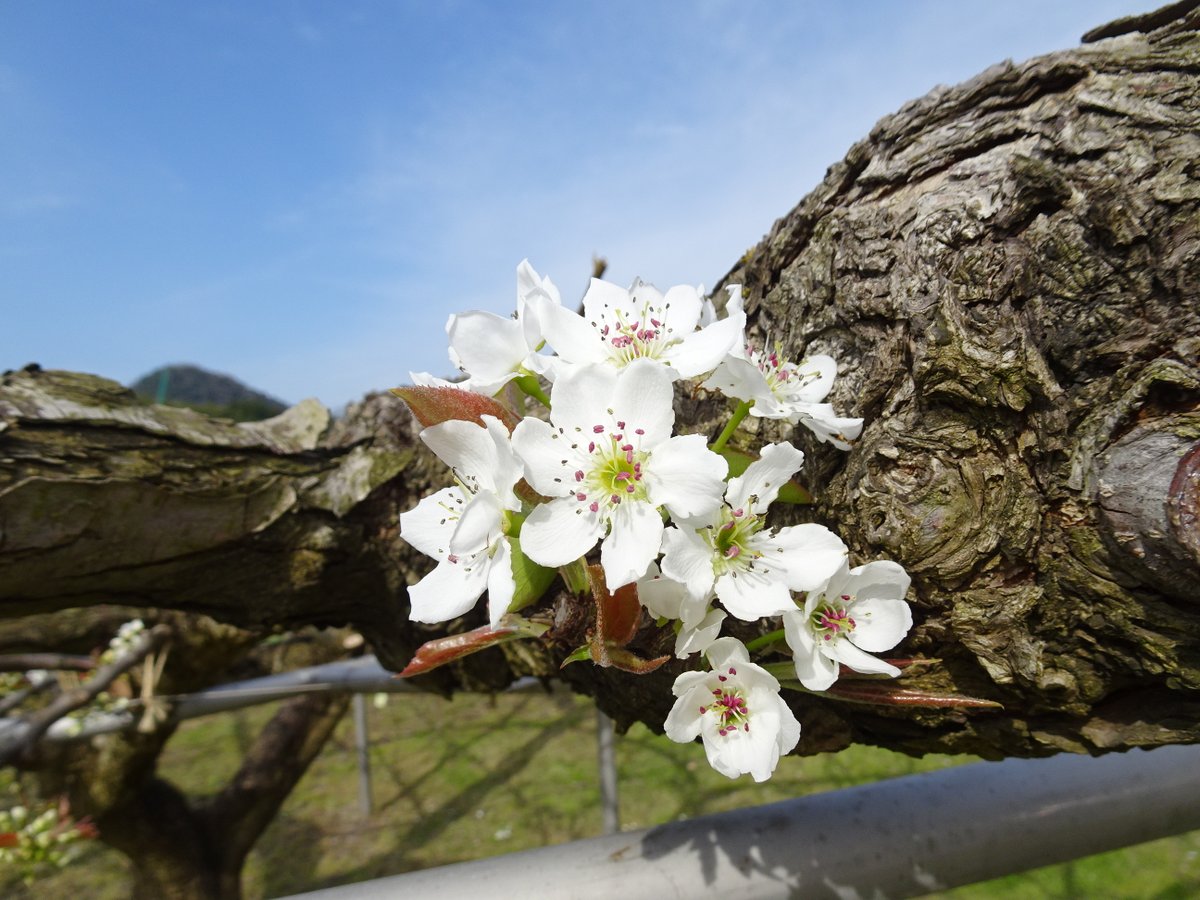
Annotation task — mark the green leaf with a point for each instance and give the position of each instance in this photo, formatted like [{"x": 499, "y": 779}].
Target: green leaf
[{"x": 532, "y": 580}]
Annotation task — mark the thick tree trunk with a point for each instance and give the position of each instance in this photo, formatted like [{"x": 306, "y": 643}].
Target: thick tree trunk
[{"x": 1007, "y": 273}]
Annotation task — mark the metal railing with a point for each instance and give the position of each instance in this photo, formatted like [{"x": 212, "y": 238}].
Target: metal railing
[{"x": 902, "y": 837}]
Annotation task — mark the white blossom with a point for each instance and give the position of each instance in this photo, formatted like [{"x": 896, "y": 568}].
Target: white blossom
[
  {"x": 665, "y": 598},
  {"x": 462, "y": 527},
  {"x": 753, "y": 569},
  {"x": 736, "y": 710},
  {"x": 492, "y": 350},
  {"x": 780, "y": 389},
  {"x": 619, "y": 326},
  {"x": 608, "y": 462},
  {"x": 859, "y": 612}
]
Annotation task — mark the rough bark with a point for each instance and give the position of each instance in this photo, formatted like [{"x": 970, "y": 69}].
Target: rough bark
[{"x": 1006, "y": 271}]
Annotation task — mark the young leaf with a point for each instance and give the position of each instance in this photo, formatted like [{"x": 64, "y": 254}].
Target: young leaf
[
  {"x": 438, "y": 652},
  {"x": 434, "y": 405}
]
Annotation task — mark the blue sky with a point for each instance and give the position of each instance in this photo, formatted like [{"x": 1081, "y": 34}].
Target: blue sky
[{"x": 298, "y": 194}]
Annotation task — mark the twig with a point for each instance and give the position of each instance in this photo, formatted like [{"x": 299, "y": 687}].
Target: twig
[
  {"x": 38, "y": 723},
  {"x": 23, "y": 662},
  {"x": 16, "y": 698}
]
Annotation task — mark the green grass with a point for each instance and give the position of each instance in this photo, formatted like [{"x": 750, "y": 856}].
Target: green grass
[{"x": 478, "y": 776}]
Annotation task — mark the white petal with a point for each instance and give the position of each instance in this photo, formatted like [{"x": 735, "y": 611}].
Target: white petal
[
  {"x": 601, "y": 301},
  {"x": 751, "y": 595},
  {"x": 808, "y": 554},
  {"x": 662, "y": 596},
  {"x": 500, "y": 583},
  {"x": 814, "y": 669},
  {"x": 879, "y": 624},
  {"x": 469, "y": 449},
  {"x": 581, "y": 398},
  {"x": 698, "y": 638},
  {"x": 570, "y": 335},
  {"x": 846, "y": 653},
  {"x": 424, "y": 379},
  {"x": 739, "y": 378},
  {"x": 879, "y": 578},
  {"x": 559, "y": 532},
  {"x": 431, "y": 523},
  {"x": 684, "y": 720},
  {"x": 702, "y": 351},
  {"x": 644, "y": 398},
  {"x": 478, "y": 525},
  {"x": 763, "y": 478},
  {"x": 687, "y": 558},
  {"x": 685, "y": 303},
  {"x": 488, "y": 346},
  {"x": 822, "y": 421},
  {"x": 686, "y": 477},
  {"x": 507, "y": 469},
  {"x": 632, "y": 544},
  {"x": 729, "y": 651},
  {"x": 817, "y": 374},
  {"x": 447, "y": 592},
  {"x": 535, "y": 442}
]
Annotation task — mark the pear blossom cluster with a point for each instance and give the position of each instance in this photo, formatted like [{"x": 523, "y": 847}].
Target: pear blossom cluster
[{"x": 580, "y": 459}]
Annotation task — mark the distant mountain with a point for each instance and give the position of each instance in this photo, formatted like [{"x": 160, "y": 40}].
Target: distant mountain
[{"x": 208, "y": 392}]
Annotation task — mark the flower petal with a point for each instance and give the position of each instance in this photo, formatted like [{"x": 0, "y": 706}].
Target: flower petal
[
  {"x": 582, "y": 396},
  {"x": 447, "y": 592},
  {"x": 488, "y": 346},
  {"x": 688, "y": 559},
  {"x": 632, "y": 544},
  {"x": 541, "y": 450},
  {"x": 810, "y": 555},
  {"x": 815, "y": 670},
  {"x": 822, "y": 421},
  {"x": 763, "y": 478},
  {"x": 699, "y": 637},
  {"x": 844, "y": 651},
  {"x": 430, "y": 525},
  {"x": 559, "y": 532},
  {"x": 702, "y": 351},
  {"x": 878, "y": 578},
  {"x": 879, "y": 624},
  {"x": 816, "y": 374},
  {"x": 478, "y": 525},
  {"x": 750, "y": 595},
  {"x": 500, "y": 583},
  {"x": 739, "y": 378},
  {"x": 686, "y": 477},
  {"x": 469, "y": 449},
  {"x": 570, "y": 334},
  {"x": 644, "y": 398}
]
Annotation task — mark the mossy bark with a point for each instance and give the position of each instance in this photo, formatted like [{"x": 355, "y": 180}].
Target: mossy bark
[{"x": 1006, "y": 271}]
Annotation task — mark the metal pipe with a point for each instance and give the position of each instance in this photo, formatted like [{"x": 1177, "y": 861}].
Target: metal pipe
[
  {"x": 607, "y": 763},
  {"x": 362, "y": 751},
  {"x": 362, "y": 675},
  {"x": 902, "y": 837}
]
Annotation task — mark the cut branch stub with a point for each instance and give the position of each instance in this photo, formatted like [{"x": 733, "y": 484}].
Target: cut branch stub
[{"x": 1149, "y": 489}]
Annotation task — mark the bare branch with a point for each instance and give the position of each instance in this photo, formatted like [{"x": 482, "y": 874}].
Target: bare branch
[{"x": 16, "y": 741}]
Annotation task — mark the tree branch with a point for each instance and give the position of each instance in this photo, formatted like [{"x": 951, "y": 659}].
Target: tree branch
[{"x": 23, "y": 735}]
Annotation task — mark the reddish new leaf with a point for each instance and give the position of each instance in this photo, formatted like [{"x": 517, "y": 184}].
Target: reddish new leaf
[
  {"x": 434, "y": 405},
  {"x": 617, "y": 614},
  {"x": 617, "y": 618},
  {"x": 884, "y": 693},
  {"x": 438, "y": 652}
]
